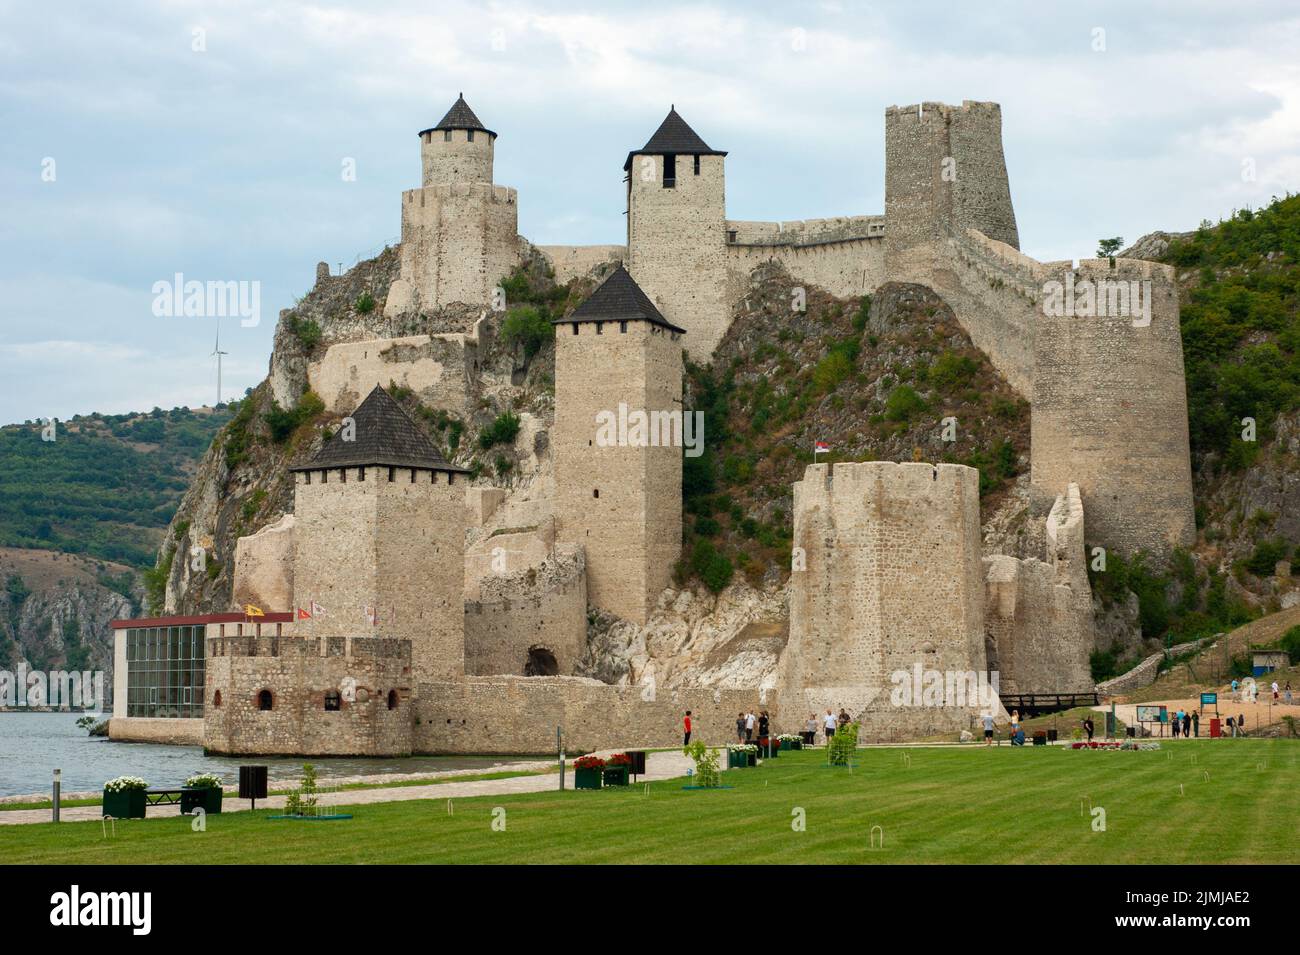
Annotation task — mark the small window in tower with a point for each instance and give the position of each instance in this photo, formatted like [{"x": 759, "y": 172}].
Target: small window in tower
[
  {"x": 333, "y": 702},
  {"x": 697, "y": 165},
  {"x": 622, "y": 328},
  {"x": 575, "y": 328},
  {"x": 595, "y": 492},
  {"x": 324, "y": 476},
  {"x": 599, "y": 327},
  {"x": 446, "y": 135},
  {"x": 451, "y": 479},
  {"x": 361, "y": 474},
  {"x": 308, "y": 481},
  {"x": 412, "y": 475},
  {"x": 471, "y": 135},
  {"x": 343, "y": 475},
  {"x": 670, "y": 172},
  {"x": 392, "y": 699},
  {"x": 392, "y": 473},
  {"x": 265, "y": 701},
  {"x": 731, "y": 235}
]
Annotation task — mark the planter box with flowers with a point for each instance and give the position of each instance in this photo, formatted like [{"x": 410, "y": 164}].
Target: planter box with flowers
[
  {"x": 124, "y": 797},
  {"x": 616, "y": 771},
  {"x": 587, "y": 772},
  {"x": 202, "y": 791},
  {"x": 741, "y": 755},
  {"x": 790, "y": 741},
  {"x": 768, "y": 747}
]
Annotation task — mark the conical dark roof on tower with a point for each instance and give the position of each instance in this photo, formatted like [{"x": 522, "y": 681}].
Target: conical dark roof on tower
[
  {"x": 460, "y": 116},
  {"x": 383, "y": 435},
  {"x": 674, "y": 138},
  {"x": 618, "y": 299}
]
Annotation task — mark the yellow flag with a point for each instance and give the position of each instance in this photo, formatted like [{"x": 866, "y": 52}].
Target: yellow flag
[{"x": 251, "y": 611}]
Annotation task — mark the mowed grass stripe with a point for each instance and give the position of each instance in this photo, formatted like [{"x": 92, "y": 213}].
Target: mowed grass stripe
[{"x": 968, "y": 805}]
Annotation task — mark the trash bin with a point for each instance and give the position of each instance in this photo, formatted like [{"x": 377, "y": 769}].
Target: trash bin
[
  {"x": 1215, "y": 728},
  {"x": 1130, "y": 731},
  {"x": 1051, "y": 736}
]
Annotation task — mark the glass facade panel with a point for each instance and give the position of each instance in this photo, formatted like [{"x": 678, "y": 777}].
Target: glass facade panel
[{"x": 164, "y": 668}]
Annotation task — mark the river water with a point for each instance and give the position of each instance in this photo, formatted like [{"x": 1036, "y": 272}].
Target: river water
[{"x": 33, "y": 745}]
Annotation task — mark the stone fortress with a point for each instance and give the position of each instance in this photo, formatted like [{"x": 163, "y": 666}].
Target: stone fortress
[{"x": 446, "y": 617}]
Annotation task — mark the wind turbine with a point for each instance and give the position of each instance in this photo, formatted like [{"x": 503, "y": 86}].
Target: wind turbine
[{"x": 216, "y": 350}]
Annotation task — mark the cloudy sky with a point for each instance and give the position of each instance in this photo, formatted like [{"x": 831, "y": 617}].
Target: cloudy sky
[{"x": 145, "y": 139}]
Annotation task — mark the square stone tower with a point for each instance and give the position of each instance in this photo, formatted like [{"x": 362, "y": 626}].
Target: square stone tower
[
  {"x": 459, "y": 231},
  {"x": 887, "y": 583},
  {"x": 677, "y": 231},
  {"x": 379, "y": 539},
  {"x": 618, "y": 444}
]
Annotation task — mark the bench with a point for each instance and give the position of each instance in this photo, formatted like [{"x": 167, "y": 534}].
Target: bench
[{"x": 162, "y": 797}]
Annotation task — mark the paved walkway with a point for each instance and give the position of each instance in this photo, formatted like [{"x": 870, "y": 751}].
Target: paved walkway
[{"x": 666, "y": 765}]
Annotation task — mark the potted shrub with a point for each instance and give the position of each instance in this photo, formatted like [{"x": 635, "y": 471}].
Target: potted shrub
[
  {"x": 616, "y": 771},
  {"x": 790, "y": 741},
  {"x": 587, "y": 771},
  {"x": 202, "y": 791},
  {"x": 741, "y": 755},
  {"x": 124, "y": 797}
]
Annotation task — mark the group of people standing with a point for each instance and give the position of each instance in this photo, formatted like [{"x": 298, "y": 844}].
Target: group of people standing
[{"x": 1186, "y": 723}]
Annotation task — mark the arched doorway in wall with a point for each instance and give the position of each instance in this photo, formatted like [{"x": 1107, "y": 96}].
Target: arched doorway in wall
[
  {"x": 265, "y": 701},
  {"x": 541, "y": 662},
  {"x": 392, "y": 699}
]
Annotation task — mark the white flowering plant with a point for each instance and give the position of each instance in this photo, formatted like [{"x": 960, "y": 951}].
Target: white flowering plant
[
  {"x": 743, "y": 747},
  {"x": 124, "y": 784},
  {"x": 203, "y": 781},
  {"x": 790, "y": 738}
]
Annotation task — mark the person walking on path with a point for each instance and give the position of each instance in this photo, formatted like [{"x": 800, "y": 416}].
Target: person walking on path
[
  {"x": 749, "y": 726},
  {"x": 1275, "y": 693},
  {"x": 1089, "y": 727},
  {"x": 810, "y": 730},
  {"x": 686, "y": 726},
  {"x": 845, "y": 719},
  {"x": 987, "y": 720},
  {"x": 1234, "y": 686},
  {"x": 828, "y": 721},
  {"x": 1196, "y": 722},
  {"x": 1187, "y": 726},
  {"x": 740, "y": 727},
  {"x": 1286, "y": 693}
]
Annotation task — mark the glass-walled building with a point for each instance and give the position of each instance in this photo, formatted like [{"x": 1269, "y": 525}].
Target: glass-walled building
[{"x": 159, "y": 668}]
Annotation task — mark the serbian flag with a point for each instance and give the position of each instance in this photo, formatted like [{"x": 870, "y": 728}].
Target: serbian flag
[
  {"x": 821, "y": 447},
  {"x": 303, "y": 614},
  {"x": 251, "y": 611}
]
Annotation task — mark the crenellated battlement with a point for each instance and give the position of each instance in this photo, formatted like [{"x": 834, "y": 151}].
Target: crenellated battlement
[
  {"x": 805, "y": 232},
  {"x": 351, "y": 648},
  {"x": 926, "y": 111},
  {"x": 488, "y": 192}
]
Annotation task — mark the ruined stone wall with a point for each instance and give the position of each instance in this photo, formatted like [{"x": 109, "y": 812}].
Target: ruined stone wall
[
  {"x": 892, "y": 579},
  {"x": 1039, "y": 624},
  {"x": 391, "y": 539},
  {"x": 518, "y": 715},
  {"x": 459, "y": 240},
  {"x": 298, "y": 673},
  {"x": 570, "y": 262},
  {"x": 263, "y": 574},
  {"x": 538, "y": 607},
  {"x": 173, "y": 732},
  {"x": 677, "y": 246},
  {"x": 441, "y": 369},
  {"x": 621, "y": 504},
  {"x": 1110, "y": 411}
]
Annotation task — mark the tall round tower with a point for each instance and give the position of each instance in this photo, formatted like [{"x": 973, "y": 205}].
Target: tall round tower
[{"x": 458, "y": 149}]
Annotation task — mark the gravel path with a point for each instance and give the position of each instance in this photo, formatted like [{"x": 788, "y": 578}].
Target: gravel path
[{"x": 667, "y": 765}]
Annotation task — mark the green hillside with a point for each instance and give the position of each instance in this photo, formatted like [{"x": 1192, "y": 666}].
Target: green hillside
[{"x": 106, "y": 487}]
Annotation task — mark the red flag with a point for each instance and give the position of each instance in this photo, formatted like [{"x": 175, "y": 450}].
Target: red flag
[{"x": 303, "y": 615}]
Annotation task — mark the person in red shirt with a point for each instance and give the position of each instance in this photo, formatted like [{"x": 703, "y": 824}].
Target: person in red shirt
[{"x": 686, "y": 725}]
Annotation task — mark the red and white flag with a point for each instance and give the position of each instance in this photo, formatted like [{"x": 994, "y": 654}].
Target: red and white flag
[
  {"x": 317, "y": 610},
  {"x": 372, "y": 616},
  {"x": 821, "y": 447},
  {"x": 303, "y": 614}
]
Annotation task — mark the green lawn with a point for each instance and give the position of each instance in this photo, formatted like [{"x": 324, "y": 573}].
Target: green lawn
[{"x": 950, "y": 805}]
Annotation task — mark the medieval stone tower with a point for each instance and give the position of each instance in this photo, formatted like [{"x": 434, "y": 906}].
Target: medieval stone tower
[
  {"x": 944, "y": 172},
  {"x": 379, "y": 539},
  {"x": 1109, "y": 407},
  {"x": 459, "y": 231},
  {"x": 676, "y": 231},
  {"x": 618, "y": 444},
  {"x": 887, "y": 576}
]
